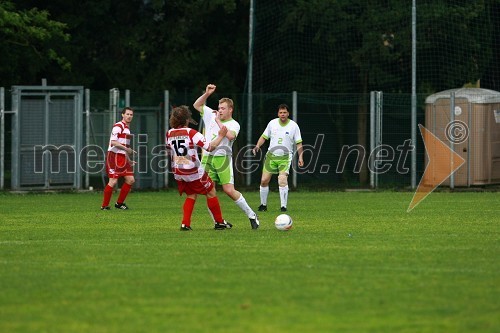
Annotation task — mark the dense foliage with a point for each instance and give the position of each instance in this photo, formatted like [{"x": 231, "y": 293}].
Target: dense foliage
[{"x": 181, "y": 45}]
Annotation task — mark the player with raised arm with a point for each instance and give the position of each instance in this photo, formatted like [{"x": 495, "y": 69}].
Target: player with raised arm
[
  {"x": 182, "y": 142},
  {"x": 283, "y": 133},
  {"x": 219, "y": 163}
]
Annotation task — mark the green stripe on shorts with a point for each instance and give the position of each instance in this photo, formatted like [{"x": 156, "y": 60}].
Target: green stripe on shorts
[
  {"x": 219, "y": 168},
  {"x": 277, "y": 164}
]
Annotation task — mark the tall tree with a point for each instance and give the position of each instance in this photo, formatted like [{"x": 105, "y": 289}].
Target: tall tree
[
  {"x": 30, "y": 42},
  {"x": 153, "y": 44}
]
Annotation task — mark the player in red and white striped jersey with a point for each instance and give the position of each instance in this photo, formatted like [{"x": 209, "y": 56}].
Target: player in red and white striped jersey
[
  {"x": 118, "y": 162},
  {"x": 182, "y": 143}
]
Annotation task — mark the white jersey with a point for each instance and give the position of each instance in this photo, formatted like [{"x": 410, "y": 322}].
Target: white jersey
[
  {"x": 120, "y": 133},
  {"x": 282, "y": 137},
  {"x": 212, "y": 131},
  {"x": 181, "y": 146}
]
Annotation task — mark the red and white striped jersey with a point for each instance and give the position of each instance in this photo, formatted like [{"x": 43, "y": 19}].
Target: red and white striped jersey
[
  {"x": 120, "y": 133},
  {"x": 181, "y": 146}
]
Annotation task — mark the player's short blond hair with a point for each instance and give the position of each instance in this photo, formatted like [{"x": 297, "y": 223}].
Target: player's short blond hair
[{"x": 228, "y": 101}]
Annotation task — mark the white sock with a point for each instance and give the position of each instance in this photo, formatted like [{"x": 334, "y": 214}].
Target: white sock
[
  {"x": 264, "y": 192},
  {"x": 242, "y": 203},
  {"x": 284, "y": 195}
]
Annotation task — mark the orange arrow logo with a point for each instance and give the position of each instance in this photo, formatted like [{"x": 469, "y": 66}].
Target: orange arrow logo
[{"x": 443, "y": 162}]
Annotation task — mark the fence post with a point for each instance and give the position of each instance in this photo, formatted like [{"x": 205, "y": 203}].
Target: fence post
[
  {"x": 2, "y": 136},
  {"x": 114, "y": 97},
  {"x": 15, "y": 177},
  {"x": 127, "y": 98},
  {"x": 166, "y": 110},
  {"x": 372, "y": 139},
  {"x": 250, "y": 83},
  {"x": 379, "y": 126},
  {"x": 376, "y": 112},
  {"x": 414, "y": 94},
  {"x": 294, "y": 116},
  {"x": 87, "y": 133},
  {"x": 452, "y": 146}
]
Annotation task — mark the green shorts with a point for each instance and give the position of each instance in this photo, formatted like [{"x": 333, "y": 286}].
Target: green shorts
[
  {"x": 219, "y": 168},
  {"x": 277, "y": 164}
]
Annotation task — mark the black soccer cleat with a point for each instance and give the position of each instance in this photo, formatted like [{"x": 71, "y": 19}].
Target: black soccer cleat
[
  {"x": 262, "y": 208},
  {"x": 185, "y": 227},
  {"x": 121, "y": 206},
  {"x": 105, "y": 208},
  {"x": 255, "y": 222},
  {"x": 283, "y": 209},
  {"x": 223, "y": 225}
]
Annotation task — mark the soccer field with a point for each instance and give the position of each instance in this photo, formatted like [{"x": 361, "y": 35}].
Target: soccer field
[{"x": 353, "y": 262}]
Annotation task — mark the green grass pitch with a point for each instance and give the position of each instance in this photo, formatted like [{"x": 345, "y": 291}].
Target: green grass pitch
[{"x": 353, "y": 262}]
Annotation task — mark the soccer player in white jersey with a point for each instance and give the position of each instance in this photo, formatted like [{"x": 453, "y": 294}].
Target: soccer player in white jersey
[
  {"x": 219, "y": 163},
  {"x": 118, "y": 162},
  {"x": 182, "y": 142},
  {"x": 283, "y": 133}
]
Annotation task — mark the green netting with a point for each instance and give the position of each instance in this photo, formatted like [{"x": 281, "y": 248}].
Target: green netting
[{"x": 356, "y": 46}]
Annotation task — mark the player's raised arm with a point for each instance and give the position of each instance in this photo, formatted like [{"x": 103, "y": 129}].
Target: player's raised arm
[{"x": 198, "y": 104}]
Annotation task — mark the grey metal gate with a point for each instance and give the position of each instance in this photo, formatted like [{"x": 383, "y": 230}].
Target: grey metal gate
[
  {"x": 46, "y": 137},
  {"x": 148, "y": 136}
]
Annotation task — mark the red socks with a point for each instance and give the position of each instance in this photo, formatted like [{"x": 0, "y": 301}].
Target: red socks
[
  {"x": 123, "y": 192},
  {"x": 108, "y": 192},
  {"x": 214, "y": 206},
  {"x": 188, "y": 211}
]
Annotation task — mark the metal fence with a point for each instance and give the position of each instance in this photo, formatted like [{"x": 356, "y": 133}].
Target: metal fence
[
  {"x": 350, "y": 140},
  {"x": 56, "y": 137},
  {"x": 343, "y": 135},
  {"x": 45, "y": 137}
]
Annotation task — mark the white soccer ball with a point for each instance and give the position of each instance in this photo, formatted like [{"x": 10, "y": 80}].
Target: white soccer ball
[{"x": 283, "y": 222}]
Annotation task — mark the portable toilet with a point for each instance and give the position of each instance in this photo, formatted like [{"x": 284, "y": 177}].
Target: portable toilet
[{"x": 471, "y": 129}]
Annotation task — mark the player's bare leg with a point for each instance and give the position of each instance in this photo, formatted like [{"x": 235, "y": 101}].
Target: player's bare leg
[{"x": 283, "y": 188}]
